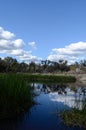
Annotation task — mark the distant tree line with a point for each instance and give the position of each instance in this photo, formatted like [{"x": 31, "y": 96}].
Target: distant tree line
[{"x": 10, "y": 64}]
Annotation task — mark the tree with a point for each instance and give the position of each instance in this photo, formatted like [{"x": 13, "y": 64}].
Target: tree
[
  {"x": 11, "y": 64},
  {"x": 63, "y": 65},
  {"x": 45, "y": 64},
  {"x": 83, "y": 63},
  {"x": 23, "y": 67},
  {"x": 32, "y": 67}
]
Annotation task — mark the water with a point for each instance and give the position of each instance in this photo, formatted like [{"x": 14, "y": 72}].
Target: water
[{"x": 51, "y": 100}]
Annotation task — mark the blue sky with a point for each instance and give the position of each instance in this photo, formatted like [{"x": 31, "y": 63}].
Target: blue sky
[{"x": 31, "y": 30}]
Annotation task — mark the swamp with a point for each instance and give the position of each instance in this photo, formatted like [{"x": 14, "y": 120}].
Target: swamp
[{"x": 41, "y": 102}]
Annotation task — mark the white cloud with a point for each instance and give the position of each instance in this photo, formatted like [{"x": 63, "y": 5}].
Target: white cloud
[
  {"x": 11, "y": 44},
  {"x": 72, "y": 52},
  {"x": 17, "y": 52},
  {"x": 5, "y": 44},
  {"x": 4, "y": 34},
  {"x": 15, "y": 47},
  {"x": 18, "y": 43},
  {"x": 7, "y": 41},
  {"x": 33, "y": 45},
  {"x": 28, "y": 57}
]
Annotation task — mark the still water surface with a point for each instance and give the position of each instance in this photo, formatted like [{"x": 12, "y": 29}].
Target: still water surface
[{"x": 51, "y": 100}]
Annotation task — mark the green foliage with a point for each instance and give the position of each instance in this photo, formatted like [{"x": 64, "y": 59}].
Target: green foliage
[
  {"x": 75, "y": 117},
  {"x": 15, "y": 95},
  {"x": 10, "y": 64},
  {"x": 49, "y": 78}
]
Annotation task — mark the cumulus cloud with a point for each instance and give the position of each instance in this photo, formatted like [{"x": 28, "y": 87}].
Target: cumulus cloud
[
  {"x": 33, "y": 45},
  {"x": 7, "y": 41},
  {"x": 17, "y": 52},
  {"x": 28, "y": 57},
  {"x": 72, "y": 52},
  {"x": 11, "y": 44},
  {"x": 4, "y": 34},
  {"x": 15, "y": 47},
  {"x": 18, "y": 43}
]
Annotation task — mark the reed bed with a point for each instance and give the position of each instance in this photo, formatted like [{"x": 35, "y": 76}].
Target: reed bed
[
  {"x": 75, "y": 117},
  {"x": 49, "y": 78},
  {"x": 15, "y": 95}
]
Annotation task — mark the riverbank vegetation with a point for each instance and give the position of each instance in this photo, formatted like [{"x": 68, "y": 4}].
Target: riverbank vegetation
[
  {"x": 40, "y": 77},
  {"x": 75, "y": 117},
  {"x": 49, "y": 78},
  {"x": 11, "y": 65},
  {"x": 15, "y": 96}
]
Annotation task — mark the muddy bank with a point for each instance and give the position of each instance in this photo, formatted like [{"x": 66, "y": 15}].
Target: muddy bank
[{"x": 81, "y": 77}]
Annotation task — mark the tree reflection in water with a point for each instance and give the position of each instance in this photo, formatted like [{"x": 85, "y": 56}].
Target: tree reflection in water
[{"x": 70, "y": 94}]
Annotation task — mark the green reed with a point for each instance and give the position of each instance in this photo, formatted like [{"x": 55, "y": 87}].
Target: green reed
[
  {"x": 15, "y": 95},
  {"x": 75, "y": 117},
  {"x": 49, "y": 78}
]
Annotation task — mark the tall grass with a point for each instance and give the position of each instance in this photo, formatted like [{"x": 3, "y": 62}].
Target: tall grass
[
  {"x": 49, "y": 78},
  {"x": 75, "y": 117},
  {"x": 15, "y": 95}
]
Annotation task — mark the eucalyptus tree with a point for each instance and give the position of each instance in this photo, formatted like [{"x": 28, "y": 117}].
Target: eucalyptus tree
[
  {"x": 32, "y": 67},
  {"x": 23, "y": 67},
  {"x": 11, "y": 64},
  {"x": 63, "y": 65},
  {"x": 45, "y": 64}
]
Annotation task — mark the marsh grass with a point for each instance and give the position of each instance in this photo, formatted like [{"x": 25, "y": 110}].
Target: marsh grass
[
  {"x": 15, "y": 95},
  {"x": 49, "y": 78},
  {"x": 75, "y": 117}
]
